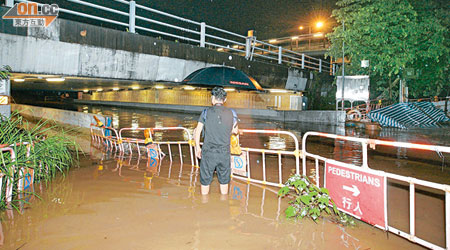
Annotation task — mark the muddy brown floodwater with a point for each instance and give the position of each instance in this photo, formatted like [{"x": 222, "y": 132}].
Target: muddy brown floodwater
[{"x": 115, "y": 202}]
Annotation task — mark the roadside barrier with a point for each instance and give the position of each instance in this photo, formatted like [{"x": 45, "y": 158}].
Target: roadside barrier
[
  {"x": 242, "y": 171},
  {"x": 357, "y": 190},
  {"x": 148, "y": 134},
  {"x": 25, "y": 175},
  {"x": 362, "y": 189},
  {"x": 9, "y": 176}
]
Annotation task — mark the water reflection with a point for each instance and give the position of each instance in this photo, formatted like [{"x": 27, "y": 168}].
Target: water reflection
[{"x": 276, "y": 143}]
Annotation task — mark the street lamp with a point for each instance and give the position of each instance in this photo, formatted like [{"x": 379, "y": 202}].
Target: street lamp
[{"x": 318, "y": 25}]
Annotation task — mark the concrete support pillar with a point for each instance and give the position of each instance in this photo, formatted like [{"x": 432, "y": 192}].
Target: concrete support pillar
[
  {"x": 280, "y": 54},
  {"x": 202, "y": 34},
  {"x": 132, "y": 20},
  {"x": 9, "y": 3}
]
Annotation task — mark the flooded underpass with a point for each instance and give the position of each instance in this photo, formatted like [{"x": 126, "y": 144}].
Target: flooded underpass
[{"x": 119, "y": 202}]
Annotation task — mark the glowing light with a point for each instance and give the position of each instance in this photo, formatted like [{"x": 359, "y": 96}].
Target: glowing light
[
  {"x": 294, "y": 37},
  {"x": 235, "y": 46},
  {"x": 301, "y": 28},
  {"x": 278, "y": 90},
  {"x": 229, "y": 89},
  {"x": 159, "y": 87},
  {"x": 115, "y": 88},
  {"x": 220, "y": 49},
  {"x": 99, "y": 90},
  {"x": 318, "y": 35},
  {"x": 56, "y": 79},
  {"x": 135, "y": 87},
  {"x": 85, "y": 90},
  {"x": 272, "y": 40},
  {"x": 19, "y": 80},
  {"x": 189, "y": 88},
  {"x": 319, "y": 24}
]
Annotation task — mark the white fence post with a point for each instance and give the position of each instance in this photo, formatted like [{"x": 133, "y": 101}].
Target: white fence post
[
  {"x": 248, "y": 42},
  {"x": 303, "y": 61},
  {"x": 202, "y": 34},
  {"x": 280, "y": 53},
  {"x": 132, "y": 19},
  {"x": 447, "y": 217},
  {"x": 320, "y": 65}
]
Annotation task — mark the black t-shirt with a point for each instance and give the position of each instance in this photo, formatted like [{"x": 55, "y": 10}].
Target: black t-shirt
[{"x": 218, "y": 123}]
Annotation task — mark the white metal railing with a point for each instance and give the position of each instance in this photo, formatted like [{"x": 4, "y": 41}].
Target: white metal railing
[
  {"x": 304, "y": 154},
  {"x": 264, "y": 152},
  {"x": 412, "y": 182},
  {"x": 119, "y": 142},
  {"x": 199, "y": 33}
]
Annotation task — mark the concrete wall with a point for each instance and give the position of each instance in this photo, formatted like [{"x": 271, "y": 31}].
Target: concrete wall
[
  {"x": 74, "y": 118},
  {"x": 177, "y": 96},
  {"x": 313, "y": 116},
  {"x": 100, "y": 52}
]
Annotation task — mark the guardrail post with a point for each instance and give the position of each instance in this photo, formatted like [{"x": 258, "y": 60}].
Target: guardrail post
[
  {"x": 9, "y": 3},
  {"x": 334, "y": 68},
  {"x": 248, "y": 42},
  {"x": 364, "y": 154},
  {"x": 202, "y": 34},
  {"x": 320, "y": 65},
  {"x": 303, "y": 61},
  {"x": 132, "y": 20},
  {"x": 447, "y": 217},
  {"x": 412, "y": 209},
  {"x": 280, "y": 53}
]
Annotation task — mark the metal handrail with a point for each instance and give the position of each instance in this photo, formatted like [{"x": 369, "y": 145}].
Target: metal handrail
[
  {"x": 277, "y": 54},
  {"x": 295, "y": 153},
  {"x": 410, "y": 180}
]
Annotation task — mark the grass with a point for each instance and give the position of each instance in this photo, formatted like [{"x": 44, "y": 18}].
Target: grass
[{"x": 35, "y": 148}]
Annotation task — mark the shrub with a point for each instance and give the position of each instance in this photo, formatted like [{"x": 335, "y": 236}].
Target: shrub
[
  {"x": 34, "y": 148},
  {"x": 310, "y": 201}
]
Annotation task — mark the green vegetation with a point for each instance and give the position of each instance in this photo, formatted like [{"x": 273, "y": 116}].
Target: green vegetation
[
  {"x": 402, "y": 39},
  {"x": 310, "y": 201},
  {"x": 5, "y": 72},
  {"x": 35, "y": 149}
]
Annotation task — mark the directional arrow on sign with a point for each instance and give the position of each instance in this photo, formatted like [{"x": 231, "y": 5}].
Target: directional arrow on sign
[{"x": 354, "y": 189}]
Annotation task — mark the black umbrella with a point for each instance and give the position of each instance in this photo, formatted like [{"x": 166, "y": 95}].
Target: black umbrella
[{"x": 222, "y": 76}]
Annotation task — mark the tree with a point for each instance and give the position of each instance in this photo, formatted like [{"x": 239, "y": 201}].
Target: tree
[{"x": 394, "y": 36}]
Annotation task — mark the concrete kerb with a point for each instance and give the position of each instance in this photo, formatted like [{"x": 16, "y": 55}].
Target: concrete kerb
[{"x": 74, "y": 118}]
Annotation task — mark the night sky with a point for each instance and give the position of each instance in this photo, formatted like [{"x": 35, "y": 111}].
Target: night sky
[
  {"x": 269, "y": 18},
  {"x": 275, "y": 18}
]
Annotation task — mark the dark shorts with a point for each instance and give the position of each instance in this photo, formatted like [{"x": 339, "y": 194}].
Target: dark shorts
[{"x": 215, "y": 160}]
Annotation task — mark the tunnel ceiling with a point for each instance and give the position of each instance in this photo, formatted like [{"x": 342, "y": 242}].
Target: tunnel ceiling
[{"x": 23, "y": 82}]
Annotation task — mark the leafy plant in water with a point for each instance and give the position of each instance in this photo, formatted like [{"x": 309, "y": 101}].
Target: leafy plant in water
[
  {"x": 310, "y": 200},
  {"x": 46, "y": 155},
  {"x": 5, "y": 72}
]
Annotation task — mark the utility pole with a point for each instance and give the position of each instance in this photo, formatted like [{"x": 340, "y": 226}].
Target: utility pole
[{"x": 343, "y": 64}]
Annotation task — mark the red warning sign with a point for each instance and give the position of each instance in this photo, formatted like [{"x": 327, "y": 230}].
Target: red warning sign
[{"x": 359, "y": 193}]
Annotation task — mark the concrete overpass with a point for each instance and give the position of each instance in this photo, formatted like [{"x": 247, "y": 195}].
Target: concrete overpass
[{"x": 91, "y": 57}]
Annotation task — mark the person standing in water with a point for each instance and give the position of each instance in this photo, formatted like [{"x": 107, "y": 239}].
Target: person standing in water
[{"x": 217, "y": 123}]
